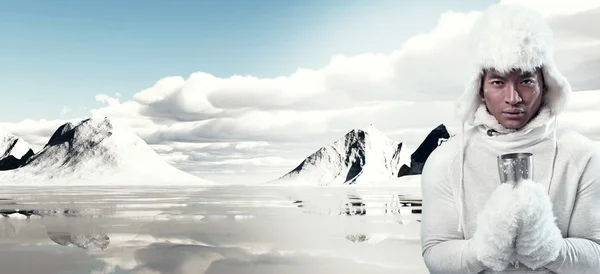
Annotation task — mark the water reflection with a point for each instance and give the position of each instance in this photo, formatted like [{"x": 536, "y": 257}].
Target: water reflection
[
  {"x": 66, "y": 230},
  {"x": 26, "y": 213},
  {"x": 211, "y": 230},
  {"x": 7, "y": 230},
  {"x": 357, "y": 237},
  {"x": 79, "y": 232},
  {"x": 355, "y": 205}
]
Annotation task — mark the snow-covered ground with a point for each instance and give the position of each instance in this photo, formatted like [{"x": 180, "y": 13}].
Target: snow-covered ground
[{"x": 94, "y": 152}]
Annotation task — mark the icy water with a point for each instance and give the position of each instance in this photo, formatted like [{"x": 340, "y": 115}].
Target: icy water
[{"x": 226, "y": 229}]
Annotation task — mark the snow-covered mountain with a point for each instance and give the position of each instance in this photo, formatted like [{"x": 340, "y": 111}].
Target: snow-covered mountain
[
  {"x": 97, "y": 153},
  {"x": 361, "y": 156},
  {"x": 14, "y": 151}
]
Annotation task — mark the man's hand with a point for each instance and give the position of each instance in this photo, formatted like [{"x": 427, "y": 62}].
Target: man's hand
[
  {"x": 497, "y": 225},
  {"x": 539, "y": 240}
]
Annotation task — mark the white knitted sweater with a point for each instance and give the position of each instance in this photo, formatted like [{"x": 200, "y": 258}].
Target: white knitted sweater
[{"x": 565, "y": 162}]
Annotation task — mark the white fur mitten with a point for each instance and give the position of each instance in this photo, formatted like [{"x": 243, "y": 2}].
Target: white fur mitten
[
  {"x": 497, "y": 225},
  {"x": 539, "y": 240}
]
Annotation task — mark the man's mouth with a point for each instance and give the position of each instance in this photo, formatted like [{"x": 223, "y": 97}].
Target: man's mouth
[{"x": 514, "y": 113}]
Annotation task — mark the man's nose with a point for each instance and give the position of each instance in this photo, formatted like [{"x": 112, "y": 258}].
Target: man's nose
[{"x": 512, "y": 96}]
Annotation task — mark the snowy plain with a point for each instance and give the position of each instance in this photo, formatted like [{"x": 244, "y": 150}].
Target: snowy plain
[{"x": 211, "y": 229}]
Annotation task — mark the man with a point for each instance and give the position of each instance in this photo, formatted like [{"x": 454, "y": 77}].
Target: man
[{"x": 471, "y": 223}]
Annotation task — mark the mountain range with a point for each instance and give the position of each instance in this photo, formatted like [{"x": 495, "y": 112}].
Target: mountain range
[
  {"x": 362, "y": 156},
  {"x": 92, "y": 152}
]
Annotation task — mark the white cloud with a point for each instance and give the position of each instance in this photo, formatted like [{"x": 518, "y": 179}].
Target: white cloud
[
  {"x": 262, "y": 127},
  {"x": 65, "y": 110},
  {"x": 582, "y": 101},
  {"x": 175, "y": 157},
  {"x": 582, "y": 112},
  {"x": 255, "y": 161},
  {"x": 247, "y": 145},
  {"x": 111, "y": 101},
  {"x": 556, "y": 8}
]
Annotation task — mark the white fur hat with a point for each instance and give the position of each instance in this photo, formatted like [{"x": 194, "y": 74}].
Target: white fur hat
[{"x": 507, "y": 37}]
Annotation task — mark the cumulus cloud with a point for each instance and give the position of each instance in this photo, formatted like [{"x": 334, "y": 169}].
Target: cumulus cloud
[
  {"x": 65, "y": 110},
  {"x": 588, "y": 100},
  {"x": 580, "y": 115},
  {"x": 263, "y": 127},
  {"x": 103, "y": 98},
  {"x": 556, "y": 8}
]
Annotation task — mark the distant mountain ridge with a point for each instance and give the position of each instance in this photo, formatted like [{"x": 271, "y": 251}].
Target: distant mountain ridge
[
  {"x": 95, "y": 152},
  {"x": 361, "y": 156}
]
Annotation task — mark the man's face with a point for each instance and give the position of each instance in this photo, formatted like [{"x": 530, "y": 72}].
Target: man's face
[{"x": 513, "y": 98}]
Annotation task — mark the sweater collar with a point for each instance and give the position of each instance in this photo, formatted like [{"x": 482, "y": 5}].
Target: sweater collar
[{"x": 533, "y": 132}]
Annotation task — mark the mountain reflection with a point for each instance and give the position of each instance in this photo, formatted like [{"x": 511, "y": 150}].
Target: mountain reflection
[
  {"x": 357, "y": 205},
  {"x": 357, "y": 238},
  {"x": 7, "y": 230},
  {"x": 78, "y": 232},
  {"x": 66, "y": 229},
  {"x": 354, "y": 206}
]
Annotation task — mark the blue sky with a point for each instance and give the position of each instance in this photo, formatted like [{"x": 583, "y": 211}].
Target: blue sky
[{"x": 59, "y": 54}]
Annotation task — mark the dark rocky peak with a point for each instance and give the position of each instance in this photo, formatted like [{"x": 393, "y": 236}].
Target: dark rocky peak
[
  {"x": 89, "y": 130},
  {"x": 417, "y": 160}
]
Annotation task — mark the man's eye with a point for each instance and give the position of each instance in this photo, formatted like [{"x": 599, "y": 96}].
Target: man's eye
[
  {"x": 528, "y": 82},
  {"x": 496, "y": 83}
]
